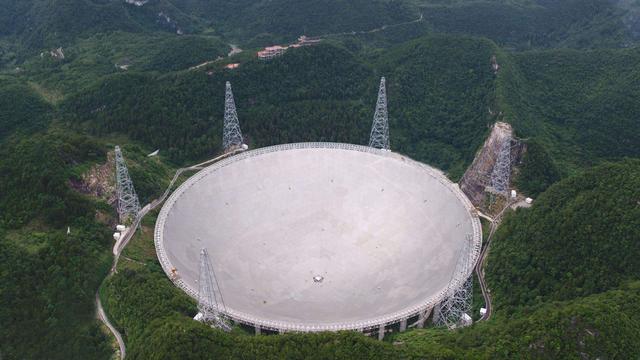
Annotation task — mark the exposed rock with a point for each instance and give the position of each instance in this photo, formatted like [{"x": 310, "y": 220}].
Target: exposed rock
[
  {"x": 99, "y": 181},
  {"x": 494, "y": 64},
  {"x": 57, "y": 53},
  {"x": 136, "y": 2},
  {"x": 166, "y": 21},
  {"x": 478, "y": 176}
]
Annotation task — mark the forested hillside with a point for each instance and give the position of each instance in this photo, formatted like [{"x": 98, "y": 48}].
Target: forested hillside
[
  {"x": 48, "y": 277},
  {"x": 438, "y": 112},
  {"x": 581, "y": 238},
  {"x": 581, "y": 105},
  {"x": 31, "y": 26},
  {"x": 563, "y": 274},
  {"x": 526, "y": 24},
  {"x": 598, "y": 326},
  {"x": 21, "y": 108}
]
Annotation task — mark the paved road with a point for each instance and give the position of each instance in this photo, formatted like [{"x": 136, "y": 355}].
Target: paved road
[
  {"x": 480, "y": 273},
  {"x": 122, "y": 242},
  {"x": 103, "y": 317},
  {"x": 381, "y": 28},
  {"x": 486, "y": 294}
]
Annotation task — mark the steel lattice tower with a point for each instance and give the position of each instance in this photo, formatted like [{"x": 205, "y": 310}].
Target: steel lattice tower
[
  {"x": 500, "y": 176},
  {"x": 210, "y": 303},
  {"x": 231, "y": 135},
  {"x": 380, "y": 128},
  {"x": 453, "y": 310},
  {"x": 128, "y": 204}
]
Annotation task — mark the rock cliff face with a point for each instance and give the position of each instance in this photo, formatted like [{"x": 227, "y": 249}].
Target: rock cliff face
[
  {"x": 136, "y": 2},
  {"x": 99, "y": 181},
  {"x": 478, "y": 176}
]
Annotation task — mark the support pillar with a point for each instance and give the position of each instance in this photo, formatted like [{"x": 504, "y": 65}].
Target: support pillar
[
  {"x": 257, "y": 329},
  {"x": 437, "y": 313},
  {"x": 403, "y": 325},
  {"x": 381, "y": 333},
  {"x": 423, "y": 317}
]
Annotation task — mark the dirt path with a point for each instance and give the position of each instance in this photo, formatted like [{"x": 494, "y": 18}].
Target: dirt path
[{"x": 381, "y": 28}]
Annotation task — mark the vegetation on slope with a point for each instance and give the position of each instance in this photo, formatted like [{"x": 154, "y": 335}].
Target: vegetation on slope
[
  {"x": 48, "y": 277},
  {"x": 440, "y": 90},
  {"x": 598, "y": 326},
  {"x": 28, "y": 27},
  {"x": 33, "y": 187},
  {"x": 537, "y": 170},
  {"x": 581, "y": 106},
  {"x": 21, "y": 108},
  {"x": 580, "y": 238},
  {"x": 577, "y": 108},
  {"x": 286, "y": 19},
  {"x": 525, "y": 24},
  {"x": 98, "y": 56},
  {"x": 282, "y": 101}
]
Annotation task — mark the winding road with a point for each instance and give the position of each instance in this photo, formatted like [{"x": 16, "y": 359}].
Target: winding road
[
  {"x": 119, "y": 246},
  {"x": 486, "y": 294},
  {"x": 480, "y": 271},
  {"x": 381, "y": 28},
  {"x": 103, "y": 317}
]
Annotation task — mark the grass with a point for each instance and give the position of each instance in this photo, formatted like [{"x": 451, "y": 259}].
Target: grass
[
  {"x": 141, "y": 249},
  {"x": 31, "y": 237},
  {"x": 51, "y": 96}
]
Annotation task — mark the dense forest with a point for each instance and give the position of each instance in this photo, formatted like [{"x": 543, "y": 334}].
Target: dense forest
[
  {"x": 48, "y": 277},
  {"x": 582, "y": 106},
  {"x": 581, "y": 238},
  {"x": 563, "y": 274}
]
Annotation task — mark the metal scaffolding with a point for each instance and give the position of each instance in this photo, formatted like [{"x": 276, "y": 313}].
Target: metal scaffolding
[
  {"x": 231, "y": 135},
  {"x": 210, "y": 302},
  {"x": 380, "y": 129},
  {"x": 128, "y": 204},
  {"x": 455, "y": 310},
  {"x": 500, "y": 176}
]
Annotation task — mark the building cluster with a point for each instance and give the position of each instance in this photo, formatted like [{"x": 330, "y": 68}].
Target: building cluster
[{"x": 271, "y": 52}]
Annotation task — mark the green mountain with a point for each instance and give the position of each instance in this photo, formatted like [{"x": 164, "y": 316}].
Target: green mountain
[
  {"x": 563, "y": 274},
  {"x": 598, "y": 326},
  {"x": 581, "y": 105},
  {"x": 580, "y": 238},
  {"x": 282, "y": 101},
  {"x": 525, "y": 24}
]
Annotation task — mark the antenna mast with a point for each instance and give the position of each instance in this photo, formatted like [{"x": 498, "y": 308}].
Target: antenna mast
[
  {"x": 500, "y": 176},
  {"x": 208, "y": 295},
  {"x": 455, "y": 309},
  {"x": 128, "y": 204},
  {"x": 380, "y": 129},
  {"x": 231, "y": 136}
]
